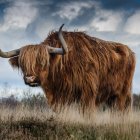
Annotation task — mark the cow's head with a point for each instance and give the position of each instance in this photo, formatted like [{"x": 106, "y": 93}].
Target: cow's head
[{"x": 34, "y": 60}]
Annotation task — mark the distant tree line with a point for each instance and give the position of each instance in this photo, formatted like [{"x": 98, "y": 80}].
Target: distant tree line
[{"x": 31, "y": 100}]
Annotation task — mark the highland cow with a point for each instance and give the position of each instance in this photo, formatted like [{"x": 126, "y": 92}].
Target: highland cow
[{"x": 85, "y": 70}]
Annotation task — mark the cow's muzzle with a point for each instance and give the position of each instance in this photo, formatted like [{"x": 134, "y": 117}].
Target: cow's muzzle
[{"x": 31, "y": 81}]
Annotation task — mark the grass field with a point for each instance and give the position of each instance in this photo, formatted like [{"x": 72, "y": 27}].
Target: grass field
[{"x": 24, "y": 123}]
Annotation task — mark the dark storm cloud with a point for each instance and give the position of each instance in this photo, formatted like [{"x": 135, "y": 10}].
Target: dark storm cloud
[
  {"x": 54, "y": 4},
  {"x": 120, "y": 4}
]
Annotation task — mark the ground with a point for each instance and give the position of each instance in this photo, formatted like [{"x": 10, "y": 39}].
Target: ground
[{"x": 30, "y": 124}]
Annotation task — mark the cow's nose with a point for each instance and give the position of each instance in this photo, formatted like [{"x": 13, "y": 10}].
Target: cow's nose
[{"x": 30, "y": 79}]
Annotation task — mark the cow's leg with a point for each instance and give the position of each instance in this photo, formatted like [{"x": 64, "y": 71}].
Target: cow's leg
[
  {"x": 119, "y": 102},
  {"x": 111, "y": 101},
  {"x": 123, "y": 103},
  {"x": 88, "y": 105},
  {"x": 128, "y": 102},
  {"x": 125, "y": 96}
]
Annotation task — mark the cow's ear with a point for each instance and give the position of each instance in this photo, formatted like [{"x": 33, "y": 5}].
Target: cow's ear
[{"x": 14, "y": 62}]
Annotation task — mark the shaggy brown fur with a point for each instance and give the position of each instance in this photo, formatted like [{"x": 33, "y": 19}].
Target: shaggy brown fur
[{"x": 93, "y": 72}]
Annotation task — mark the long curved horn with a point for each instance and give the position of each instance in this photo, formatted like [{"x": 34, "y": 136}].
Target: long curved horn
[
  {"x": 64, "y": 48},
  {"x": 9, "y": 54},
  {"x": 63, "y": 42}
]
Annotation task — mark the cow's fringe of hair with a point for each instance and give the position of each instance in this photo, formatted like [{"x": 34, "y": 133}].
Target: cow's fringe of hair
[{"x": 32, "y": 56}]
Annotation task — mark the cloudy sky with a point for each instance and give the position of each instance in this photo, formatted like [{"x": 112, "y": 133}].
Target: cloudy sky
[{"x": 25, "y": 22}]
